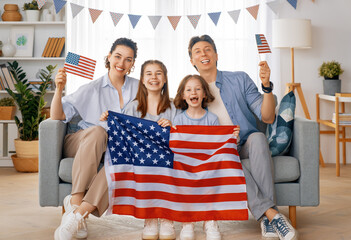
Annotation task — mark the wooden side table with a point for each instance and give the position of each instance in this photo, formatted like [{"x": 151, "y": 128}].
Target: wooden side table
[{"x": 339, "y": 99}]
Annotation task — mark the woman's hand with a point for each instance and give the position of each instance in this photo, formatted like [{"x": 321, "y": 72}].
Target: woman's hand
[
  {"x": 61, "y": 79},
  {"x": 236, "y": 131},
  {"x": 164, "y": 122},
  {"x": 104, "y": 116}
]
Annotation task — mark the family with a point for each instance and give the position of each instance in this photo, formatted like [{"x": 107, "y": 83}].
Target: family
[{"x": 211, "y": 98}]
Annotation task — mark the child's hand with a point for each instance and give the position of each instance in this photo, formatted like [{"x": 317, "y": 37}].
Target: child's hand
[
  {"x": 236, "y": 131},
  {"x": 104, "y": 116},
  {"x": 164, "y": 122}
]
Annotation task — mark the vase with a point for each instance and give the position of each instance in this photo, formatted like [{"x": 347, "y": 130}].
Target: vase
[
  {"x": 8, "y": 49},
  {"x": 331, "y": 86},
  {"x": 27, "y": 149},
  {"x": 25, "y": 164},
  {"x": 32, "y": 15},
  {"x": 11, "y": 13}
]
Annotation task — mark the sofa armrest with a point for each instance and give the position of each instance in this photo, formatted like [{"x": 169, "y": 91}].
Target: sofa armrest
[
  {"x": 51, "y": 137},
  {"x": 305, "y": 147}
]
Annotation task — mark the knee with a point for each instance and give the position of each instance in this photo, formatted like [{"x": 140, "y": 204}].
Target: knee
[
  {"x": 258, "y": 142},
  {"x": 97, "y": 133}
]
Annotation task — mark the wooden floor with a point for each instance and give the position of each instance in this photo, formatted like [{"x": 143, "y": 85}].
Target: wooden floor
[{"x": 21, "y": 217}]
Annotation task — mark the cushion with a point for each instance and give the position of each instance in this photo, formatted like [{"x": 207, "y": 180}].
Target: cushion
[{"x": 280, "y": 132}]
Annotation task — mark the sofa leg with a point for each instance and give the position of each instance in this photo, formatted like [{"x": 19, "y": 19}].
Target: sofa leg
[{"x": 292, "y": 215}]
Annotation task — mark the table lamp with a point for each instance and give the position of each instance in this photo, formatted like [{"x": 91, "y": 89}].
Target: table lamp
[{"x": 293, "y": 33}]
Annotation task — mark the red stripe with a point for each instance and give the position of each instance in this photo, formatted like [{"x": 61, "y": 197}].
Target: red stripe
[
  {"x": 86, "y": 63},
  {"x": 198, "y": 145},
  {"x": 196, "y": 129},
  {"x": 204, "y": 156},
  {"x": 81, "y": 75},
  {"x": 87, "y": 59},
  {"x": 73, "y": 69},
  {"x": 181, "y": 216},
  {"x": 180, "y": 198},
  {"x": 80, "y": 68},
  {"x": 207, "y": 166},
  {"x": 159, "y": 179}
]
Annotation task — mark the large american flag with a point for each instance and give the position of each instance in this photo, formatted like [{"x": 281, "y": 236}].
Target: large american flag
[
  {"x": 80, "y": 65},
  {"x": 262, "y": 44},
  {"x": 189, "y": 174}
]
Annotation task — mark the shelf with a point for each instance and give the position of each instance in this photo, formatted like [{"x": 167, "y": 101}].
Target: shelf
[
  {"x": 32, "y": 58},
  {"x": 49, "y": 91},
  {"x": 7, "y": 121},
  {"x": 31, "y": 23}
]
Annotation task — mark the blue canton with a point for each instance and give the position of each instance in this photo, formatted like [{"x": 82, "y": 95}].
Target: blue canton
[
  {"x": 138, "y": 141},
  {"x": 72, "y": 58}
]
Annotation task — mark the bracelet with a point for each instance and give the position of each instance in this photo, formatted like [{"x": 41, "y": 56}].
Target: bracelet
[{"x": 267, "y": 89}]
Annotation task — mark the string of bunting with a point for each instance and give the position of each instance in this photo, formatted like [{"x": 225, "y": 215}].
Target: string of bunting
[{"x": 174, "y": 20}]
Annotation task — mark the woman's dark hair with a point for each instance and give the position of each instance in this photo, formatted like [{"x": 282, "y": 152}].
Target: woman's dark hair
[
  {"x": 179, "y": 102},
  {"x": 124, "y": 42},
  {"x": 203, "y": 38},
  {"x": 141, "y": 95}
]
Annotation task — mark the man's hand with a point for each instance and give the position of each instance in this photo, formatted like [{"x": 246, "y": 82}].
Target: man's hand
[{"x": 265, "y": 73}]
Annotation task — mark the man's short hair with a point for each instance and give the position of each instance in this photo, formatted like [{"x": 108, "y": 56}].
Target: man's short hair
[{"x": 203, "y": 38}]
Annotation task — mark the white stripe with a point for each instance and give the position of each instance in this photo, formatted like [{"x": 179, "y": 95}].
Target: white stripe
[
  {"x": 79, "y": 69},
  {"x": 88, "y": 60},
  {"x": 206, "y": 151},
  {"x": 179, "y": 190},
  {"x": 200, "y": 137},
  {"x": 216, "y": 158},
  {"x": 180, "y": 206}
]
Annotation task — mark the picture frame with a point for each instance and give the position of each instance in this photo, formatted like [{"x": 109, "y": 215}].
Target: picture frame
[{"x": 22, "y": 37}]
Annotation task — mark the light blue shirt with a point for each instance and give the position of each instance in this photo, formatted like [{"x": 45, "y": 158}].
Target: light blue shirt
[
  {"x": 207, "y": 119},
  {"x": 96, "y": 97},
  {"x": 241, "y": 99}
]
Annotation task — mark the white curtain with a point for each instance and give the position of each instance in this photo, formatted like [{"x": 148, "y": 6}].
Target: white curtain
[{"x": 236, "y": 44}]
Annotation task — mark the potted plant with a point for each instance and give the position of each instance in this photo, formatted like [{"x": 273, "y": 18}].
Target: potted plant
[
  {"x": 331, "y": 72},
  {"x": 7, "y": 108},
  {"x": 32, "y": 11},
  {"x": 30, "y": 103}
]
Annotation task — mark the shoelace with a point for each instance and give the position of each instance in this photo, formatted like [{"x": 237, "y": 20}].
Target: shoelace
[
  {"x": 73, "y": 224},
  {"x": 283, "y": 228},
  {"x": 166, "y": 224},
  {"x": 149, "y": 222},
  {"x": 211, "y": 225},
  {"x": 269, "y": 227}
]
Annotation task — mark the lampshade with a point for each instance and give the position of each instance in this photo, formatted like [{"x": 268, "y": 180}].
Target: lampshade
[{"x": 292, "y": 33}]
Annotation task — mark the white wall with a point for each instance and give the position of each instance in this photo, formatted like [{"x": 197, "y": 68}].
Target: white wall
[{"x": 331, "y": 40}]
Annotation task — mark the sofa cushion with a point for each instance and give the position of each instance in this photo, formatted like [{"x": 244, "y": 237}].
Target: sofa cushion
[
  {"x": 280, "y": 132},
  {"x": 65, "y": 169},
  {"x": 286, "y": 168}
]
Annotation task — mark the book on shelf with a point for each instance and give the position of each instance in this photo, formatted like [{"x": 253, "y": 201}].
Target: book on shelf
[
  {"x": 46, "y": 47},
  {"x": 2, "y": 87},
  {"x": 6, "y": 76},
  {"x": 343, "y": 117},
  {"x": 54, "y": 47}
]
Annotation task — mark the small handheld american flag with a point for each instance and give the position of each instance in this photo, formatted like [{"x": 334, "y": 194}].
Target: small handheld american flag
[
  {"x": 80, "y": 65},
  {"x": 262, "y": 44}
]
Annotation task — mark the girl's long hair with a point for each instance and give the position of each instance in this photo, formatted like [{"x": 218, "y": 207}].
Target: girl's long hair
[{"x": 141, "y": 95}]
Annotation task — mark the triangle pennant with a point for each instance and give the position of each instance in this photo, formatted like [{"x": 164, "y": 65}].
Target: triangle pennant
[
  {"x": 174, "y": 20},
  {"x": 41, "y": 3},
  {"x": 154, "y": 20},
  {"x": 253, "y": 10},
  {"x": 235, "y": 15},
  {"x": 274, "y": 5},
  {"x": 134, "y": 19},
  {"x": 94, "y": 14},
  {"x": 116, "y": 17},
  {"x": 214, "y": 17},
  {"x": 194, "y": 19},
  {"x": 75, "y": 9},
  {"x": 59, "y": 4},
  {"x": 293, "y": 3}
]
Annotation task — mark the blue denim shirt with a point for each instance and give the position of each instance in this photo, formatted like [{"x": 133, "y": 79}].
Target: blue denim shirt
[
  {"x": 241, "y": 99},
  {"x": 96, "y": 97}
]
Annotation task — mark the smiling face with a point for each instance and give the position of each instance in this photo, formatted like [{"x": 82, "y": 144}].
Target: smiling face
[
  {"x": 194, "y": 93},
  {"x": 203, "y": 56},
  {"x": 121, "y": 60},
  {"x": 153, "y": 78}
]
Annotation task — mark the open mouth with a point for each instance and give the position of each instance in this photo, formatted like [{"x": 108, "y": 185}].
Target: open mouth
[
  {"x": 205, "y": 61},
  {"x": 119, "y": 69},
  {"x": 194, "y": 99}
]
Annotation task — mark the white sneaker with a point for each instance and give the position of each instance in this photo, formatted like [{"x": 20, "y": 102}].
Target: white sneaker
[
  {"x": 69, "y": 226},
  {"x": 167, "y": 231},
  {"x": 283, "y": 227},
  {"x": 150, "y": 230},
  {"x": 212, "y": 230},
  {"x": 187, "y": 232},
  {"x": 82, "y": 228},
  {"x": 267, "y": 230}
]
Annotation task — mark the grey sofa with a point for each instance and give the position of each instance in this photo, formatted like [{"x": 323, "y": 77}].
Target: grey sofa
[{"x": 296, "y": 174}]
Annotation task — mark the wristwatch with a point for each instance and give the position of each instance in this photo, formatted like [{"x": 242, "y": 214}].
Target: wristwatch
[{"x": 267, "y": 89}]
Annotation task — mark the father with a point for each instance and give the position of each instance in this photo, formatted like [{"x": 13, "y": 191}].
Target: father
[{"x": 236, "y": 101}]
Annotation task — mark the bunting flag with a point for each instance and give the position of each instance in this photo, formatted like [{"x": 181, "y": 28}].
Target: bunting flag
[
  {"x": 274, "y": 5},
  {"x": 41, "y": 3},
  {"x": 154, "y": 20},
  {"x": 262, "y": 44},
  {"x": 253, "y": 10},
  {"x": 293, "y": 3},
  {"x": 79, "y": 65},
  {"x": 214, "y": 17},
  {"x": 235, "y": 15},
  {"x": 194, "y": 20},
  {"x": 75, "y": 9},
  {"x": 59, "y": 4},
  {"x": 190, "y": 174},
  {"x": 134, "y": 19},
  {"x": 116, "y": 17},
  {"x": 174, "y": 20},
  {"x": 94, "y": 14}
]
